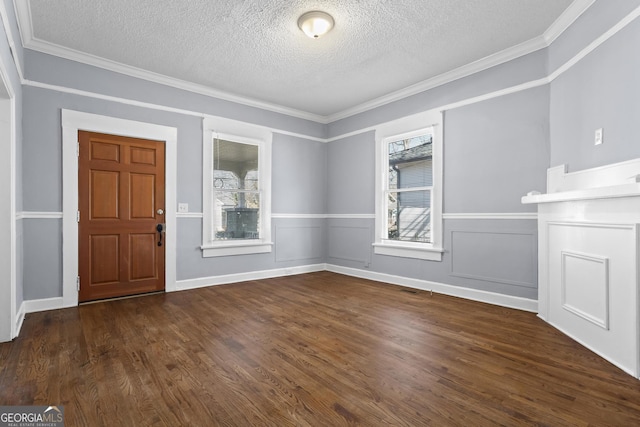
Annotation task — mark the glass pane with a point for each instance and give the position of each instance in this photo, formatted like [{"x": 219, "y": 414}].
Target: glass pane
[
  {"x": 237, "y": 215},
  {"x": 235, "y": 165},
  {"x": 410, "y": 162},
  {"x": 409, "y": 216}
]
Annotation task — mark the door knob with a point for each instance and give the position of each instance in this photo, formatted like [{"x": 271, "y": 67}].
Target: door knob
[
  {"x": 160, "y": 229},
  {"x": 160, "y": 211}
]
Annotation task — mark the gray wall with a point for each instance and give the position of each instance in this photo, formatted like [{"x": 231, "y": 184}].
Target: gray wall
[
  {"x": 520, "y": 70},
  {"x": 498, "y": 150},
  {"x": 495, "y": 151},
  {"x": 299, "y": 169},
  {"x": 601, "y": 91},
  {"x": 62, "y": 72},
  {"x": 484, "y": 142},
  {"x": 298, "y": 176},
  {"x": 595, "y": 21},
  {"x": 42, "y": 166},
  {"x": 351, "y": 175},
  {"x": 42, "y": 263},
  {"x": 298, "y": 188}
]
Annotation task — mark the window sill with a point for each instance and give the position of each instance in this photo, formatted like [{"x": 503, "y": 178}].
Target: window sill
[
  {"x": 404, "y": 250},
  {"x": 235, "y": 248}
]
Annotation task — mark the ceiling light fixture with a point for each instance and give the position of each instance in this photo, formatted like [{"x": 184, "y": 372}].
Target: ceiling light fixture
[{"x": 315, "y": 23}]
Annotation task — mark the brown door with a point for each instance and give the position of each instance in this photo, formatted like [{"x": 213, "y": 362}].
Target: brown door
[{"x": 121, "y": 202}]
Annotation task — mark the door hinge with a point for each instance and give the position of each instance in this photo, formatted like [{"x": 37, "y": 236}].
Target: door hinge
[
  {"x": 77, "y": 216},
  {"x": 78, "y": 149},
  {"x": 78, "y": 283}
]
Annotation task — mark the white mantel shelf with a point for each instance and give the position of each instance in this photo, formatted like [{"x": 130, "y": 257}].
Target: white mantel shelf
[
  {"x": 588, "y": 258},
  {"x": 611, "y": 192}
]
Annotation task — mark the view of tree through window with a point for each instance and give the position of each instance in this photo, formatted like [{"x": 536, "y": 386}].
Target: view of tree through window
[
  {"x": 409, "y": 187},
  {"x": 236, "y": 190}
]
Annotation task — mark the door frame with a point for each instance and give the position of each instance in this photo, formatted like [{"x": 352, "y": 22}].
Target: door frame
[
  {"x": 10, "y": 319},
  {"x": 72, "y": 122}
]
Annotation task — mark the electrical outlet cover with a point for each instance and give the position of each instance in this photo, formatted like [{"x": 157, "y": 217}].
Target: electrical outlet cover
[{"x": 599, "y": 136}]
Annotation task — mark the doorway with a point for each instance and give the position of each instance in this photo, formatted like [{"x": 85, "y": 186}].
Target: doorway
[
  {"x": 74, "y": 121},
  {"x": 121, "y": 187},
  {"x": 8, "y": 260}
]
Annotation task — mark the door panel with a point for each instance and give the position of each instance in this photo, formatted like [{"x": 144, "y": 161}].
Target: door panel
[
  {"x": 141, "y": 196},
  {"x": 103, "y": 151},
  {"x": 104, "y": 187},
  {"x": 121, "y": 189},
  {"x": 143, "y": 156},
  {"x": 104, "y": 255},
  {"x": 143, "y": 252}
]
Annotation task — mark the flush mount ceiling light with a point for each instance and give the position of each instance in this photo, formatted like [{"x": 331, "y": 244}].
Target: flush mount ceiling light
[{"x": 315, "y": 24}]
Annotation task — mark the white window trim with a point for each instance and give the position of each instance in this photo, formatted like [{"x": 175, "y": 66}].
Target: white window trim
[
  {"x": 241, "y": 132},
  {"x": 406, "y": 127}
]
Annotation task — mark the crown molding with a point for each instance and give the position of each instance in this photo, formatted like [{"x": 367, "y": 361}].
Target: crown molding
[
  {"x": 25, "y": 24},
  {"x": 594, "y": 44},
  {"x": 569, "y": 16},
  {"x": 9, "y": 34},
  {"x": 450, "y": 76},
  {"x": 457, "y": 104},
  {"x": 85, "y": 58},
  {"x": 564, "y": 21},
  {"x": 29, "y": 41}
]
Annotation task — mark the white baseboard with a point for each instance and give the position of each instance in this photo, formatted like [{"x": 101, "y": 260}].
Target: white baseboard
[
  {"x": 441, "y": 288},
  {"x": 629, "y": 370},
  {"x": 19, "y": 319},
  {"x": 35, "y": 305},
  {"x": 202, "y": 282},
  {"x": 32, "y": 306}
]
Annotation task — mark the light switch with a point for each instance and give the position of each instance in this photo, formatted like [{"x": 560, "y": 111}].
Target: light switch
[
  {"x": 599, "y": 136},
  {"x": 183, "y": 207}
]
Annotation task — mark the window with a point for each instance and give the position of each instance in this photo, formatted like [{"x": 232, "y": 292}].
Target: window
[
  {"x": 236, "y": 190},
  {"x": 408, "y": 190},
  {"x": 236, "y": 213}
]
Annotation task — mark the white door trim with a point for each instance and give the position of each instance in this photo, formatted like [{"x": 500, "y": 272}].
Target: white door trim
[
  {"x": 72, "y": 121},
  {"x": 8, "y": 271}
]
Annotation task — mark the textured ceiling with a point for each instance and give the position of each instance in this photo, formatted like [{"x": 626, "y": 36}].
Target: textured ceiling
[{"x": 255, "y": 50}]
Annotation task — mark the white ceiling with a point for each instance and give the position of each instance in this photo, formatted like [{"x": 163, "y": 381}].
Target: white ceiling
[{"x": 252, "y": 51}]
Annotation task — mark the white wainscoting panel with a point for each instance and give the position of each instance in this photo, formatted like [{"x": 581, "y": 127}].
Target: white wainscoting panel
[
  {"x": 499, "y": 256},
  {"x": 298, "y": 242},
  {"x": 588, "y": 264},
  {"x": 592, "y": 287},
  {"x": 585, "y": 286},
  {"x": 350, "y": 243}
]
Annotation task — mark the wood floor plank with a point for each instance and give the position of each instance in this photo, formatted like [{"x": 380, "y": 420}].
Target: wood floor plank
[{"x": 317, "y": 349}]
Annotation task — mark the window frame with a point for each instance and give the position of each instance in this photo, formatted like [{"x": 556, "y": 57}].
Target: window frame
[
  {"x": 408, "y": 127},
  {"x": 244, "y": 133}
]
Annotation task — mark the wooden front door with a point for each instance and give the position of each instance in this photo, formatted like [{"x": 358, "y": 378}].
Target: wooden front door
[{"x": 121, "y": 203}]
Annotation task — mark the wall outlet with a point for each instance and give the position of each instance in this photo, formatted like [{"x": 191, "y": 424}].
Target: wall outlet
[
  {"x": 183, "y": 207},
  {"x": 599, "y": 136}
]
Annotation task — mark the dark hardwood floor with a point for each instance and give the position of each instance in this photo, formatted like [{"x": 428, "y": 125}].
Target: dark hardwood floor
[{"x": 318, "y": 349}]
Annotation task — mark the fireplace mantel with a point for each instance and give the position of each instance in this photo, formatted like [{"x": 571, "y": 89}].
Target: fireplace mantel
[
  {"x": 588, "y": 227},
  {"x": 611, "y": 192}
]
